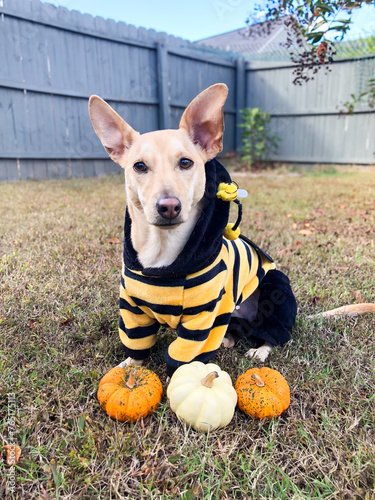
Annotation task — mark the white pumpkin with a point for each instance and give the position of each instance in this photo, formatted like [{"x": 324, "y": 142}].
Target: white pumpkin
[{"x": 202, "y": 396}]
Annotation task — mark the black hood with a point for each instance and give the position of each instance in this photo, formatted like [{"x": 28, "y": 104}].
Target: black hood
[{"x": 205, "y": 241}]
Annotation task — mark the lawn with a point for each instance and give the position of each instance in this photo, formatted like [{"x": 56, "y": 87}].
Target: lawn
[{"x": 59, "y": 281}]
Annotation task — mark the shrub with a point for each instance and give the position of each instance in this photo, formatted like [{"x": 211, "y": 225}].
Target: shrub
[{"x": 258, "y": 140}]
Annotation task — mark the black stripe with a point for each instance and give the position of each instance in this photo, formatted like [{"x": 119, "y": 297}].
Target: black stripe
[
  {"x": 206, "y": 277},
  {"x": 137, "y": 354},
  {"x": 159, "y": 308},
  {"x": 201, "y": 335},
  {"x": 236, "y": 270},
  {"x": 197, "y": 335},
  {"x": 260, "y": 271},
  {"x": 222, "y": 319},
  {"x": 173, "y": 364},
  {"x": 139, "y": 332},
  {"x": 248, "y": 252},
  {"x": 208, "y": 306},
  {"x": 125, "y": 305},
  {"x": 122, "y": 282},
  {"x": 168, "y": 281}
]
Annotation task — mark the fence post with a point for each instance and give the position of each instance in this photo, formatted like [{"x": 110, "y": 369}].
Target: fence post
[
  {"x": 240, "y": 98},
  {"x": 162, "y": 75}
]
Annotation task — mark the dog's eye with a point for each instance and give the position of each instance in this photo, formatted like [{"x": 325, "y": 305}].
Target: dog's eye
[
  {"x": 140, "y": 167},
  {"x": 186, "y": 163}
]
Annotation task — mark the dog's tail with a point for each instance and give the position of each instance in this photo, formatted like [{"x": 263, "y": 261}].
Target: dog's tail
[{"x": 348, "y": 311}]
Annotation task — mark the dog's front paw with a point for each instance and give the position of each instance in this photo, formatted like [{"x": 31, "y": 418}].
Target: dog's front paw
[
  {"x": 261, "y": 353},
  {"x": 131, "y": 362}
]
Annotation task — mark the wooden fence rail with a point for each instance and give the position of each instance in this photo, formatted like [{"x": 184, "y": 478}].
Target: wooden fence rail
[{"x": 53, "y": 59}]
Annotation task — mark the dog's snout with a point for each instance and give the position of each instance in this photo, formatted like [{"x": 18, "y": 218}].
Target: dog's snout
[{"x": 169, "y": 207}]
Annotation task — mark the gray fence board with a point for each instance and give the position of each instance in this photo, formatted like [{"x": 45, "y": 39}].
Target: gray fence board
[
  {"x": 53, "y": 59},
  {"x": 309, "y": 118},
  {"x": 9, "y": 170}
]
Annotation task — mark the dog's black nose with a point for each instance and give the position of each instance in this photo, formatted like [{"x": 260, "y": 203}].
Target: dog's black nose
[{"x": 169, "y": 207}]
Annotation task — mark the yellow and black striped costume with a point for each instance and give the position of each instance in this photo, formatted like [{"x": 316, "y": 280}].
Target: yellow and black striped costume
[{"x": 198, "y": 304}]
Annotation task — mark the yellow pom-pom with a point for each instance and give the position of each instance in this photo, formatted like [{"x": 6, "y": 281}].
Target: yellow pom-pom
[
  {"x": 227, "y": 192},
  {"x": 230, "y": 234}
]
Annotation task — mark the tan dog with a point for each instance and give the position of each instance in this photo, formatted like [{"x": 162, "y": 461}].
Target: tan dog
[
  {"x": 165, "y": 187},
  {"x": 164, "y": 171},
  {"x": 165, "y": 178}
]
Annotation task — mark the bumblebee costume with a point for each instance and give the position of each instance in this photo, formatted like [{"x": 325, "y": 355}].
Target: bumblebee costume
[{"x": 198, "y": 292}]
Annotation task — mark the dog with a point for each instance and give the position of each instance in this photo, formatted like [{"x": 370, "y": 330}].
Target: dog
[{"x": 179, "y": 269}]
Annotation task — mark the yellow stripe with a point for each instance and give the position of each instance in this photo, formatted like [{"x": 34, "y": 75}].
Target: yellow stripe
[
  {"x": 124, "y": 295},
  {"x": 171, "y": 321},
  {"x": 186, "y": 350},
  {"x": 162, "y": 295},
  {"x": 206, "y": 292},
  {"x": 135, "y": 320},
  {"x": 137, "y": 344}
]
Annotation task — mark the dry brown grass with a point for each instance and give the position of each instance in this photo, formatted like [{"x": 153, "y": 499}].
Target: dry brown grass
[{"x": 58, "y": 321}]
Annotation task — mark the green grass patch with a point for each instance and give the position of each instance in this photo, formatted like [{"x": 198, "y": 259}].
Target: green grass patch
[{"x": 59, "y": 284}]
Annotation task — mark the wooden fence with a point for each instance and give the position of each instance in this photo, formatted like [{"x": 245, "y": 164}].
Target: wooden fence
[
  {"x": 311, "y": 118},
  {"x": 53, "y": 59}
]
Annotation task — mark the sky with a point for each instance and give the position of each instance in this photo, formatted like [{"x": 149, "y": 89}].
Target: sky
[{"x": 194, "y": 19}]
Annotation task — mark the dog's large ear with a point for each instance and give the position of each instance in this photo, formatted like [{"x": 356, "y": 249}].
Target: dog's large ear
[
  {"x": 116, "y": 135},
  {"x": 203, "y": 119}
]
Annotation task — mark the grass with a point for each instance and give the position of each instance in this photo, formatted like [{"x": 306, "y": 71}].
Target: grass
[{"x": 59, "y": 281}]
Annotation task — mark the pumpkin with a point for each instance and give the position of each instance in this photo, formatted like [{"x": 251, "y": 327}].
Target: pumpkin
[
  {"x": 262, "y": 392},
  {"x": 202, "y": 396},
  {"x": 129, "y": 393}
]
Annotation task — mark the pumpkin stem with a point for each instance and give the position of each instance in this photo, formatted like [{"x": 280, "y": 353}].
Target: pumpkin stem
[
  {"x": 259, "y": 382},
  {"x": 131, "y": 380},
  {"x": 208, "y": 380}
]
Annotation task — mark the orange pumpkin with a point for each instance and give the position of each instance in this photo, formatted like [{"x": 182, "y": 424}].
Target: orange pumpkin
[
  {"x": 262, "y": 392},
  {"x": 129, "y": 393}
]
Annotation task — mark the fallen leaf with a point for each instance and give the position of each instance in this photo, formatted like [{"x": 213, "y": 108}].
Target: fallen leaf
[
  {"x": 284, "y": 251},
  {"x": 342, "y": 206},
  {"x": 67, "y": 321},
  {"x": 363, "y": 241},
  {"x": 113, "y": 241},
  {"x": 298, "y": 243},
  {"x": 289, "y": 216},
  {"x": 306, "y": 224},
  {"x": 341, "y": 268},
  {"x": 220, "y": 446},
  {"x": 320, "y": 211},
  {"x": 305, "y": 232},
  {"x": 315, "y": 300},
  {"x": 13, "y": 453},
  {"x": 358, "y": 295},
  {"x": 44, "y": 495},
  {"x": 174, "y": 458},
  {"x": 294, "y": 225}
]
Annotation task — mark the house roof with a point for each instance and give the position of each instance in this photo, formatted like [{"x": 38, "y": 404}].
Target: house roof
[{"x": 254, "y": 42}]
